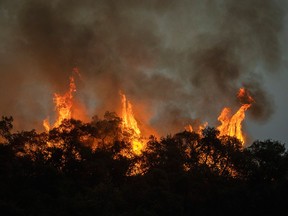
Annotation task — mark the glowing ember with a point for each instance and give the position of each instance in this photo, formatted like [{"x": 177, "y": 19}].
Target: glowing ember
[
  {"x": 231, "y": 125},
  {"x": 63, "y": 105},
  {"x": 129, "y": 124}
]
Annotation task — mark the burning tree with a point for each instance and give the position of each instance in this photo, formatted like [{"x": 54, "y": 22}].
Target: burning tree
[
  {"x": 231, "y": 125},
  {"x": 186, "y": 168}
]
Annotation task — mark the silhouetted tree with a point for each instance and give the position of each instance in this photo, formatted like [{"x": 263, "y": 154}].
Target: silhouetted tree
[
  {"x": 89, "y": 168},
  {"x": 6, "y": 125},
  {"x": 269, "y": 160}
]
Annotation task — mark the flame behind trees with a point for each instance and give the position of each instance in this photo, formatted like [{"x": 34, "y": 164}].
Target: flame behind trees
[
  {"x": 63, "y": 104},
  {"x": 129, "y": 124},
  {"x": 231, "y": 125},
  {"x": 196, "y": 128}
]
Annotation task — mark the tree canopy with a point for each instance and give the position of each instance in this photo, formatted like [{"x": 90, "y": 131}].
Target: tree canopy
[{"x": 89, "y": 168}]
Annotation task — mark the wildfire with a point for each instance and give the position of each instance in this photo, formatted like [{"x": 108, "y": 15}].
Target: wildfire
[
  {"x": 231, "y": 125},
  {"x": 130, "y": 125},
  {"x": 63, "y": 104},
  {"x": 197, "y": 129}
]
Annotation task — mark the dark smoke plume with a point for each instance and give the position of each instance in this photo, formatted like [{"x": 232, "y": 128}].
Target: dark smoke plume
[{"x": 179, "y": 60}]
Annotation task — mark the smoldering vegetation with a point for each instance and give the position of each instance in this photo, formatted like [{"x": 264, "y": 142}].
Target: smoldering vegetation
[{"x": 181, "y": 60}]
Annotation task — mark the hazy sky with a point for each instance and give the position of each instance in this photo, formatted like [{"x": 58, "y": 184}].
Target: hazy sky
[
  {"x": 179, "y": 62},
  {"x": 277, "y": 126}
]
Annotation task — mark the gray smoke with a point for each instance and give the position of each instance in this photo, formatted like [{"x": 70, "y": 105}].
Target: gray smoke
[{"x": 177, "y": 61}]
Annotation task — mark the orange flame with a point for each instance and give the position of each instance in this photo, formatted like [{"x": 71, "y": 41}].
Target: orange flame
[
  {"x": 63, "y": 104},
  {"x": 197, "y": 129},
  {"x": 129, "y": 123},
  {"x": 231, "y": 125}
]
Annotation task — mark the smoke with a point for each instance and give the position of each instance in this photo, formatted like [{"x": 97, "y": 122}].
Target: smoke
[{"x": 177, "y": 61}]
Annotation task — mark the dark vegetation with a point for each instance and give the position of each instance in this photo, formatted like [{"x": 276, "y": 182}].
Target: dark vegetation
[{"x": 89, "y": 169}]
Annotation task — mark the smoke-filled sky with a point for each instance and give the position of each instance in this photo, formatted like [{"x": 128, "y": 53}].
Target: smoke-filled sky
[{"x": 178, "y": 62}]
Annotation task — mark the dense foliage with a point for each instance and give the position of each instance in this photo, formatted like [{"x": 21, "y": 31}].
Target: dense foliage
[{"x": 89, "y": 169}]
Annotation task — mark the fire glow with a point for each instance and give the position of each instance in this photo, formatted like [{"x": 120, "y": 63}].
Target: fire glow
[
  {"x": 129, "y": 124},
  {"x": 63, "y": 104},
  {"x": 231, "y": 124}
]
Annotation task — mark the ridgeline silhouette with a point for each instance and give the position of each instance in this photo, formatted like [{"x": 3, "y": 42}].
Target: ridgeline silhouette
[{"x": 90, "y": 169}]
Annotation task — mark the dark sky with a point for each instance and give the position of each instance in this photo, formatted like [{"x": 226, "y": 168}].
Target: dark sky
[{"x": 179, "y": 62}]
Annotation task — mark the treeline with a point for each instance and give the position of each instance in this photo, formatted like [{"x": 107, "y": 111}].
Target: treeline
[{"x": 90, "y": 169}]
